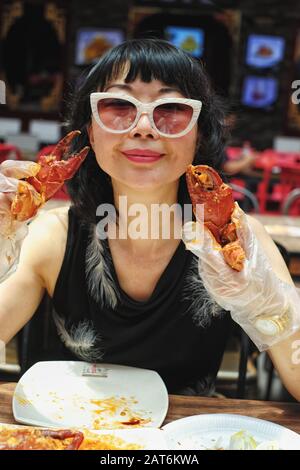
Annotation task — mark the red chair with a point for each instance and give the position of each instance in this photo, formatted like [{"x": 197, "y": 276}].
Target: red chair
[
  {"x": 62, "y": 192},
  {"x": 238, "y": 196},
  {"x": 9, "y": 152},
  {"x": 287, "y": 167},
  {"x": 291, "y": 204},
  {"x": 234, "y": 152},
  {"x": 266, "y": 162}
]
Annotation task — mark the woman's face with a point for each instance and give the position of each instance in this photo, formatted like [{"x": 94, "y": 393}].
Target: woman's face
[{"x": 115, "y": 153}]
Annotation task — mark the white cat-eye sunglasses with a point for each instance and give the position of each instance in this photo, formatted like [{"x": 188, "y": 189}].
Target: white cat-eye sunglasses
[{"x": 170, "y": 117}]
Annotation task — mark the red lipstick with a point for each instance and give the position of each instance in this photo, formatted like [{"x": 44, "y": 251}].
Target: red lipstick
[{"x": 142, "y": 155}]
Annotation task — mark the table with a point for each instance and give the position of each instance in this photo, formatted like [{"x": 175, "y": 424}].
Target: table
[
  {"x": 283, "y": 229},
  {"x": 286, "y": 414}
]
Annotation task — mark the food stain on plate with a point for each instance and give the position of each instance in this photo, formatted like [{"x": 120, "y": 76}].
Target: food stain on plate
[
  {"x": 23, "y": 401},
  {"x": 118, "y": 412}
]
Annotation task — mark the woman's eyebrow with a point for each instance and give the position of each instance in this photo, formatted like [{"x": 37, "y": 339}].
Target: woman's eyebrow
[
  {"x": 125, "y": 86},
  {"x": 169, "y": 90},
  {"x": 119, "y": 85}
]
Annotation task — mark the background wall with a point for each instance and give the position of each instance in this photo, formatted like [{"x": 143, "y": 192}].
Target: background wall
[
  {"x": 262, "y": 16},
  {"x": 265, "y": 16}
]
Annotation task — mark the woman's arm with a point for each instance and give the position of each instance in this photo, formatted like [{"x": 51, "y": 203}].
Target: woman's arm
[
  {"x": 40, "y": 260},
  {"x": 231, "y": 167},
  {"x": 284, "y": 354}
]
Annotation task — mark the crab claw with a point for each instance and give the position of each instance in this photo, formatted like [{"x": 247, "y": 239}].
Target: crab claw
[
  {"x": 26, "y": 202},
  {"x": 204, "y": 176},
  {"x": 63, "y": 145},
  {"x": 54, "y": 171},
  {"x": 206, "y": 187},
  {"x": 61, "y": 434}
]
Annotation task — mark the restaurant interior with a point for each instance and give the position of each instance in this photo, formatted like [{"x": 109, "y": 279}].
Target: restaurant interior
[{"x": 251, "y": 50}]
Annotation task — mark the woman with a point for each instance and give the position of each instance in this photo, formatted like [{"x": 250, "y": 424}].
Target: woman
[{"x": 126, "y": 300}]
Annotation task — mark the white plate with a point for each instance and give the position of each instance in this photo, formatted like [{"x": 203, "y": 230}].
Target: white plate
[
  {"x": 203, "y": 431},
  {"x": 57, "y": 394},
  {"x": 147, "y": 438}
]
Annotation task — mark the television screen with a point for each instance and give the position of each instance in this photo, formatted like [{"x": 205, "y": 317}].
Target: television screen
[
  {"x": 91, "y": 44},
  {"x": 189, "y": 39},
  {"x": 264, "y": 51},
  {"x": 259, "y": 92}
]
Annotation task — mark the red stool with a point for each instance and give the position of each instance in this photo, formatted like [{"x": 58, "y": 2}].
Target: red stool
[{"x": 9, "y": 152}]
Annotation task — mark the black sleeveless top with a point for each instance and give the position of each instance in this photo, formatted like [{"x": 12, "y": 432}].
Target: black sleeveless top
[{"x": 178, "y": 332}]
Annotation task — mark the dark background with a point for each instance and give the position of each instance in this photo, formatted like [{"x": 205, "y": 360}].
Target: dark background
[{"x": 224, "y": 54}]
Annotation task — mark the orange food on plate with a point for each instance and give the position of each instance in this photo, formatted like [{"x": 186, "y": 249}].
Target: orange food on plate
[
  {"x": 30, "y": 438},
  {"x": 106, "y": 442},
  {"x": 39, "y": 439}
]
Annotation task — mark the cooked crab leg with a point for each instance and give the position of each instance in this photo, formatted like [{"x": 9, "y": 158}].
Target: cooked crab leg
[
  {"x": 54, "y": 171},
  {"x": 206, "y": 187},
  {"x": 47, "y": 177}
]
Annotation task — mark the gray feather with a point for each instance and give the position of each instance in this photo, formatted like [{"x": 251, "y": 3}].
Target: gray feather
[
  {"x": 81, "y": 339},
  {"x": 98, "y": 273},
  {"x": 202, "y": 306}
]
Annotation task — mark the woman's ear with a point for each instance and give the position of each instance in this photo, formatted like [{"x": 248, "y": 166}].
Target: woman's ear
[{"x": 89, "y": 129}]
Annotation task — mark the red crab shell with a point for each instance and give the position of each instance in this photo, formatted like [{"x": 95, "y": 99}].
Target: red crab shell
[
  {"x": 206, "y": 187},
  {"x": 48, "y": 176}
]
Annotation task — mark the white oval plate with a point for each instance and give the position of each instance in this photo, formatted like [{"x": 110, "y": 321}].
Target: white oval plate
[{"x": 202, "y": 432}]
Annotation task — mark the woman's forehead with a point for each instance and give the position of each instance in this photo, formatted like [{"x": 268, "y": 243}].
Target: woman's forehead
[
  {"x": 121, "y": 72},
  {"x": 139, "y": 86}
]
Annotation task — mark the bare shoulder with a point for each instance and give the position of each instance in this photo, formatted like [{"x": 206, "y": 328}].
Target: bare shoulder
[
  {"x": 44, "y": 247},
  {"x": 49, "y": 227}
]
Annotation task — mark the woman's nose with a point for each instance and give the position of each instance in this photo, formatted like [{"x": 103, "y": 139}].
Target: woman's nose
[{"x": 144, "y": 129}]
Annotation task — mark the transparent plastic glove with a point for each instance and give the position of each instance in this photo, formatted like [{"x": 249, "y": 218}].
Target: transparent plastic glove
[
  {"x": 267, "y": 308},
  {"x": 12, "y": 231}
]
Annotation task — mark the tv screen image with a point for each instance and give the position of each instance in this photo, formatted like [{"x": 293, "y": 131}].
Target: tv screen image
[
  {"x": 264, "y": 51},
  {"x": 189, "y": 39},
  {"x": 259, "y": 92},
  {"x": 91, "y": 44}
]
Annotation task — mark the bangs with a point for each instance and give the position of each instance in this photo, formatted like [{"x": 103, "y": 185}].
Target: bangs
[{"x": 148, "y": 61}]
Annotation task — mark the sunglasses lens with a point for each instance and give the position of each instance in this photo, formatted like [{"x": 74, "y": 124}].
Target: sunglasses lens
[
  {"x": 116, "y": 114},
  {"x": 172, "y": 118}
]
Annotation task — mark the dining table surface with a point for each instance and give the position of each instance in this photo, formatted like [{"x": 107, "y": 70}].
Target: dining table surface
[
  {"x": 284, "y": 414},
  {"x": 284, "y": 229}
]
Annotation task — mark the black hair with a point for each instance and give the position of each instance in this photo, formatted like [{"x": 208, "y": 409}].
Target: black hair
[{"x": 148, "y": 59}]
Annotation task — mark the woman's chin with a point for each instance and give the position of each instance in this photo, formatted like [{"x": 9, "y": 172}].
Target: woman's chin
[
  {"x": 143, "y": 185},
  {"x": 141, "y": 181}
]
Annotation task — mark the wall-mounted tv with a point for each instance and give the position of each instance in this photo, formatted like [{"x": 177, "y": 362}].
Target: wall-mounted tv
[
  {"x": 259, "y": 92},
  {"x": 92, "y": 43},
  {"x": 264, "y": 51},
  {"x": 187, "y": 38}
]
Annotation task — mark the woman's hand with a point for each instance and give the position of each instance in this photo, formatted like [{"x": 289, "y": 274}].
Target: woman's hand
[
  {"x": 12, "y": 230},
  {"x": 266, "y": 307}
]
